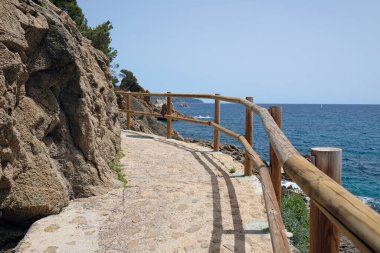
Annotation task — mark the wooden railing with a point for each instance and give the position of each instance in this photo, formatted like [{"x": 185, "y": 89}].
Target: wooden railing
[{"x": 354, "y": 219}]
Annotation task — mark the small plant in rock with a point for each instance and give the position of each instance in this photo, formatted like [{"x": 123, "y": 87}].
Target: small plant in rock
[
  {"x": 232, "y": 170},
  {"x": 120, "y": 155},
  {"x": 118, "y": 168}
]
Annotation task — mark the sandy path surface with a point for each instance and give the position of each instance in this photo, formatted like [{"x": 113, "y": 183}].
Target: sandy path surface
[{"x": 180, "y": 198}]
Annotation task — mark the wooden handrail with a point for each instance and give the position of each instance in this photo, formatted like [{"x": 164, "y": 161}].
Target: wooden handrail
[
  {"x": 248, "y": 165},
  {"x": 357, "y": 221},
  {"x": 216, "y": 121},
  {"x": 169, "y": 120},
  {"x": 275, "y": 163},
  {"x": 324, "y": 235},
  {"x": 129, "y": 108},
  {"x": 158, "y": 115},
  {"x": 201, "y": 96},
  {"x": 360, "y": 222},
  {"x": 225, "y": 131},
  {"x": 276, "y": 226}
]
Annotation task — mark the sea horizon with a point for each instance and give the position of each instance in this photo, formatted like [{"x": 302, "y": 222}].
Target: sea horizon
[{"x": 222, "y": 102}]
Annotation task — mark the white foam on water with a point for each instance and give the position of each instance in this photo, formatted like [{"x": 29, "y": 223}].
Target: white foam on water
[
  {"x": 287, "y": 184},
  {"x": 202, "y": 117},
  {"x": 371, "y": 202}
]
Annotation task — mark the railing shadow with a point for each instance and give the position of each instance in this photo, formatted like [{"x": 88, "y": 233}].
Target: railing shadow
[
  {"x": 239, "y": 237},
  {"x": 218, "y": 230},
  {"x": 138, "y": 136}
]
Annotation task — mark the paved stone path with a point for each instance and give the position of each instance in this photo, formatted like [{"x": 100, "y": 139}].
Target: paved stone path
[{"x": 180, "y": 198}]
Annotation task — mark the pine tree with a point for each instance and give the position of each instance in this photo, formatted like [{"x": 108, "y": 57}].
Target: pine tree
[
  {"x": 129, "y": 82},
  {"x": 100, "y": 35}
]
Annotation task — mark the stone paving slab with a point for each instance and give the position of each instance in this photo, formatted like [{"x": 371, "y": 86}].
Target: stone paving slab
[{"x": 180, "y": 198}]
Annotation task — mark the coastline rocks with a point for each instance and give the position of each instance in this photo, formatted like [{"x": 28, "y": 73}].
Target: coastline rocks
[
  {"x": 228, "y": 149},
  {"x": 158, "y": 102},
  {"x": 141, "y": 123},
  {"x": 58, "y": 116},
  {"x": 346, "y": 245}
]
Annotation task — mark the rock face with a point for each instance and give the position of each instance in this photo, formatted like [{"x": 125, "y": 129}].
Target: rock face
[{"x": 59, "y": 124}]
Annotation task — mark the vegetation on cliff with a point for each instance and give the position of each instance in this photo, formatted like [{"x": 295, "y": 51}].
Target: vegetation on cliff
[
  {"x": 295, "y": 215},
  {"x": 129, "y": 82},
  {"x": 99, "y": 35}
]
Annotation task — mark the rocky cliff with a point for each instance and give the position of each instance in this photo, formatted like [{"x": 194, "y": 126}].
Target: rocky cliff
[{"x": 59, "y": 126}]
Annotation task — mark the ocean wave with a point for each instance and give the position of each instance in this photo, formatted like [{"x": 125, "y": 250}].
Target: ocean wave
[
  {"x": 371, "y": 202},
  {"x": 202, "y": 117},
  {"x": 290, "y": 184}
]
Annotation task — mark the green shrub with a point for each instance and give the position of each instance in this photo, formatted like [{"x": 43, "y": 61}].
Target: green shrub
[
  {"x": 118, "y": 168},
  {"x": 295, "y": 215}
]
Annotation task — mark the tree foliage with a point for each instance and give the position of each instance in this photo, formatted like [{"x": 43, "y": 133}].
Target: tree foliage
[
  {"x": 129, "y": 81},
  {"x": 100, "y": 35},
  {"x": 74, "y": 11},
  {"x": 101, "y": 38},
  {"x": 115, "y": 80}
]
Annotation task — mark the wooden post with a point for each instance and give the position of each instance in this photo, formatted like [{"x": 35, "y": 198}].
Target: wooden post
[
  {"x": 216, "y": 121},
  {"x": 275, "y": 163},
  {"x": 248, "y": 164},
  {"x": 169, "y": 120},
  {"x": 324, "y": 235},
  {"x": 128, "y": 101}
]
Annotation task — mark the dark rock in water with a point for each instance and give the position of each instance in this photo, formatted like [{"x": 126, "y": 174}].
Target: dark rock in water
[
  {"x": 58, "y": 116},
  {"x": 347, "y": 246},
  {"x": 228, "y": 149}
]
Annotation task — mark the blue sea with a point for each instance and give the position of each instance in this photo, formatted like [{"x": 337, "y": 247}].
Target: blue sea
[{"x": 354, "y": 128}]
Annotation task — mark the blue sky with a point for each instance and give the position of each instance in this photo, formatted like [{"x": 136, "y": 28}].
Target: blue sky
[{"x": 276, "y": 51}]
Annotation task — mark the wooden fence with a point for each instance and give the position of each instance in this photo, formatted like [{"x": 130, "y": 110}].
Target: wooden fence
[{"x": 351, "y": 216}]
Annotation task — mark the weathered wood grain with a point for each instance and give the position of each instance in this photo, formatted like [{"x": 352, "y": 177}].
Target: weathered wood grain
[
  {"x": 276, "y": 227},
  {"x": 324, "y": 235},
  {"x": 217, "y": 122},
  {"x": 158, "y": 115},
  {"x": 249, "y": 138},
  {"x": 225, "y": 130},
  {"x": 169, "y": 130},
  {"x": 359, "y": 220},
  {"x": 127, "y": 98},
  {"x": 201, "y": 96},
  {"x": 275, "y": 163}
]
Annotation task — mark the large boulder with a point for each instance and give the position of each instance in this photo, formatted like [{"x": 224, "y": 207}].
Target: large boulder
[{"x": 59, "y": 126}]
